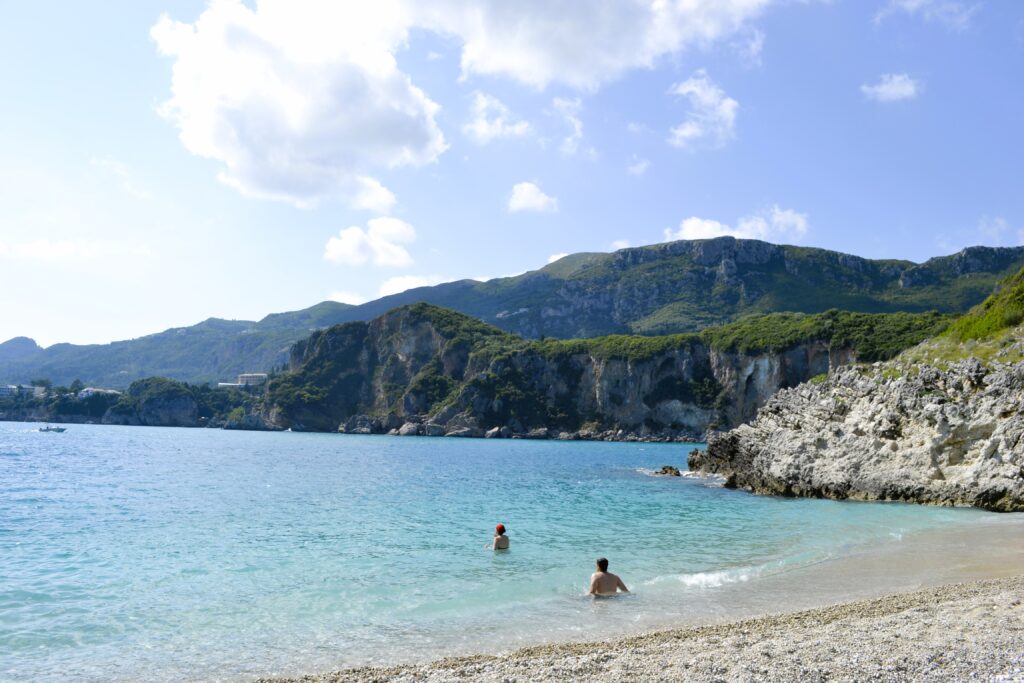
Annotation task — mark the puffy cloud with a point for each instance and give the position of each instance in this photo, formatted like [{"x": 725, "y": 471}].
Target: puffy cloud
[
  {"x": 582, "y": 45},
  {"x": 298, "y": 101},
  {"x": 370, "y": 195},
  {"x": 556, "y": 257},
  {"x": 302, "y": 100},
  {"x": 712, "y": 115},
  {"x": 529, "y": 197},
  {"x": 892, "y": 88},
  {"x": 774, "y": 225},
  {"x": 381, "y": 243},
  {"x": 492, "y": 119},
  {"x": 620, "y": 244},
  {"x": 954, "y": 14},
  {"x": 401, "y": 283}
]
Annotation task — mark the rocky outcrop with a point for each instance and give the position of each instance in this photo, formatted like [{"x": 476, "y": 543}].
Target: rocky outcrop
[
  {"x": 181, "y": 411},
  {"x": 155, "y": 402},
  {"x": 886, "y": 432}
]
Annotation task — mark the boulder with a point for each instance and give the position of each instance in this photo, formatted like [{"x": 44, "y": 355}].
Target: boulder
[
  {"x": 433, "y": 429},
  {"x": 469, "y": 432},
  {"x": 410, "y": 429}
]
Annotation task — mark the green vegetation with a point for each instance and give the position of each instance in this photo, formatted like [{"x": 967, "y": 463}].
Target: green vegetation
[
  {"x": 871, "y": 336},
  {"x": 64, "y": 402},
  {"x": 989, "y": 331},
  {"x": 1002, "y": 310},
  {"x": 210, "y": 403}
]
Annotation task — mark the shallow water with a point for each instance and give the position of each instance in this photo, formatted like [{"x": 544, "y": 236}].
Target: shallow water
[{"x": 162, "y": 554}]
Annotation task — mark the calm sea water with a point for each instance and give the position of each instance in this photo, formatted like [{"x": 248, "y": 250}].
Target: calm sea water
[{"x": 147, "y": 553}]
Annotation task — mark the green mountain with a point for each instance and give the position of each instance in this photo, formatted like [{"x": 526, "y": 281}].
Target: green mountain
[
  {"x": 213, "y": 350},
  {"x": 686, "y": 286},
  {"x": 666, "y": 288}
]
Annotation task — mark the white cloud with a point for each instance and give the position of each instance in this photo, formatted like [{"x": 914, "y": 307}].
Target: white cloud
[
  {"x": 298, "y": 101},
  {"x": 123, "y": 174},
  {"x": 773, "y": 225},
  {"x": 492, "y": 119},
  {"x": 347, "y": 297},
  {"x": 954, "y": 14},
  {"x": 569, "y": 110},
  {"x": 381, "y": 243},
  {"x": 67, "y": 250},
  {"x": 892, "y": 88},
  {"x": 556, "y": 257},
  {"x": 749, "y": 47},
  {"x": 370, "y": 195},
  {"x": 582, "y": 44},
  {"x": 620, "y": 244},
  {"x": 712, "y": 115},
  {"x": 303, "y": 100},
  {"x": 528, "y": 197},
  {"x": 638, "y": 167},
  {"x": 401, "y": 283}
]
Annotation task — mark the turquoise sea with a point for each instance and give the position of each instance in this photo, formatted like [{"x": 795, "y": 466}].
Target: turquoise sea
[{"x": 169, "y": 554}]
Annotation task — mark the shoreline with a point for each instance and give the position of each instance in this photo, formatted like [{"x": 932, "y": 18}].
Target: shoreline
[{"x": 951, "y": 632}]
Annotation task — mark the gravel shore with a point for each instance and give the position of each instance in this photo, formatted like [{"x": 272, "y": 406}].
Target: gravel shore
[{"x": 971, "y": 631}]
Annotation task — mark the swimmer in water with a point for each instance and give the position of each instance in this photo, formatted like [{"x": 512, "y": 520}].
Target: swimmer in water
[
  {"x": 603, "y": 582},
  {"x": 500, "y": 539}
]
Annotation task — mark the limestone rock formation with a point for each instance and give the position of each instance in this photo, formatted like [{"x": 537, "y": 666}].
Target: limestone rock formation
[{"x": 886, "y": 432}]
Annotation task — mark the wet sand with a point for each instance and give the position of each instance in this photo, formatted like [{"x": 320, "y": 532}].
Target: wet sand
[{"x": 947, "y": 633}]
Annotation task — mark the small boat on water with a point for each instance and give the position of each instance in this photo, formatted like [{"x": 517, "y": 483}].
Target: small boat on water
[{"x": 48, "y": 428}]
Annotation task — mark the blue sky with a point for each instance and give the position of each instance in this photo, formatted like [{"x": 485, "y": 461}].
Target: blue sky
[{"x": 167, "y": 162}]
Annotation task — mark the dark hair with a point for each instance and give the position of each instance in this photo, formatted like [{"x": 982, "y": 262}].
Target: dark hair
[{"x": 602, "y": 564}]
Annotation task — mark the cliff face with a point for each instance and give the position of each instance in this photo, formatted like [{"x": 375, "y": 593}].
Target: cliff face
[
  {"x": 411, "y": 371},
  {"x": 946, "y": 437}
]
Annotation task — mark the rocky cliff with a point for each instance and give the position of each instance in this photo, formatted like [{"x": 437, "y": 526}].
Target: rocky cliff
[
  {"x": 943, "y": 436},
  {"x": 424, "y": 370},
  {"x": 942, "y": 423}
]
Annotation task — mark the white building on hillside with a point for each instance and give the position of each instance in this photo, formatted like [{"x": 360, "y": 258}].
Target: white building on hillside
[{"x": 93, "y": 391}]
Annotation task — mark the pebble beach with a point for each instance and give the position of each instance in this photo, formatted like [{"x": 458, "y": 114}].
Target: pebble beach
[{"x": 968, "y": 631}]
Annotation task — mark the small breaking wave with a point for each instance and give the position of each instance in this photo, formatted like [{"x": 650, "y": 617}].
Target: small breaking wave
[{"x": 715, "y": 579}]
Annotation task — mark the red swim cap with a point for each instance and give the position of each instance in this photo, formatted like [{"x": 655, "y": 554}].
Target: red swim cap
[{"x": 500, "y": 529}]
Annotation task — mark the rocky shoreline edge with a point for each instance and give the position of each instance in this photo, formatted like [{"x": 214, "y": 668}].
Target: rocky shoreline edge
[
  {"x": 968, "y": 631},
  {"x": 364, "y": 425},
  {"x": 914, "y": 432}
]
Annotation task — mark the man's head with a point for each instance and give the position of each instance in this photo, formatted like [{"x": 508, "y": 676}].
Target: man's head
[{"x": 602, "y": 564}]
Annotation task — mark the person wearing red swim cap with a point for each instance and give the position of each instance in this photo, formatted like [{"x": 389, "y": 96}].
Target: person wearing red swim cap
[{"x": 500, "y": 539}]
